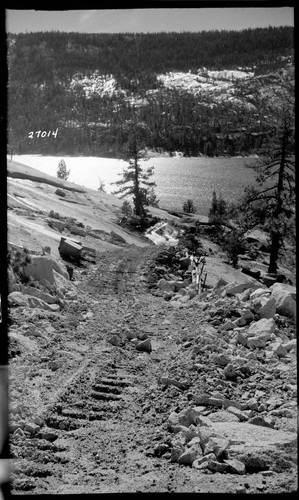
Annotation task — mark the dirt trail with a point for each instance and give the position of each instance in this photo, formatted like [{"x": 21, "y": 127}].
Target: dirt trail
[{"x": 102, "y": 407}]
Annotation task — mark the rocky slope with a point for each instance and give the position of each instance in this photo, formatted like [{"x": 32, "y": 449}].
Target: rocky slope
[{"x": 124, "y": 378}]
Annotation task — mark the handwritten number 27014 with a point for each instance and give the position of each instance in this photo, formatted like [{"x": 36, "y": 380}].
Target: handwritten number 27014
[{"x": 43, "y": 133}]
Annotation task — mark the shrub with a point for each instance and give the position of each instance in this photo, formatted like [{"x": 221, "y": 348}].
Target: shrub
[
  {"x": 17, "y": 260},
  {"x": 101, "y": 187},
  {"x": 234, "y": 245},
  {"x": 54, "y": 215},
  {"x": 62, "y": 171},
  {"x": 190, "y": 240},
  {"x": 189, "y": 207},
  {"x": 149, "y": 197},
  {"x": 218, "y": 210},
  {"x": 126, "y": 208}
]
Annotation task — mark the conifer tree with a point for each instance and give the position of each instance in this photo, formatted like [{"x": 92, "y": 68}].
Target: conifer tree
[
  {"x": 218, "y": 210},
  {"x": 189, "y": 207},
  {"x": 135, "y": 181},
  {"x": 62, "y": 171},
  {"x": 271, "y": 202}
]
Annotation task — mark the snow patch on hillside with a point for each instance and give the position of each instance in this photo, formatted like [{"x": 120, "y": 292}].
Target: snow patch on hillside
[
  {"x": 218, "y": 82},
  {"x": 205, "y": 80},
  {"x": 95, "y": 84}
]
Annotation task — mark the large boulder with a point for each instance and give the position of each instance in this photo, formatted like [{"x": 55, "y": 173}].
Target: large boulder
[
  {"x": 285, "y": 298},
  {"x": 262, "y": 327},
  {"x": 242, "y": 434},
  {"x": 17, "y": 299},
  {"x": 260, "y": 332},
  {"x": 64, "y": 286},
  {"x": 42, "y": 267},
  {"x": 35, "y": 292},
  {"x": 236, "y": 288}
]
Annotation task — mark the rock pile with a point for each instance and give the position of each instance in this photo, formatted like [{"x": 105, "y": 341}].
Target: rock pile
[
  {"x": 228, "y": 441},
  {"x": 278, "y": 297},
  {"x": 244, "y": 350}
]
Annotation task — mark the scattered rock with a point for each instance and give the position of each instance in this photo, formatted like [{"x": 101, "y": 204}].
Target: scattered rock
[
  {"x": 31, "y": 427},
  {"x": 235, "y": 466},
  {"x": 204, "y": 461},
  {"x": 259, "y": 420},
  {"x": 169, "y": 381},
  {"x": 224, "y": 416},
  {"x": 237, "y": 413},
  {"x": 221, "y": 359},
  {"x": 264, "y": 326},
  {"x": 142, "y": 335},
  {"x": 144, "y": 346},
  {"x": 268, "y": 309},
  {"x": 217, "y": 445},
  {"x": 60, "y": 192},
  {"x": 216, "y": 466},
  {"x": 259, "y": 292},
  {"x": 114, "y": 340},
  {"x": 190, "y": 454},
  {"x": 229, "y": 372}
]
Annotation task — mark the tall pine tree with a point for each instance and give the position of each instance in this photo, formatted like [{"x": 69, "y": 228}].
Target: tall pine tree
[
  {"x": 136, "y": 181},
  {"x": 271, "y": 202}
]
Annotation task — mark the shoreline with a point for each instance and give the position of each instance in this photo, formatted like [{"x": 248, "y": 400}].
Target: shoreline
[{"x": 150, "y": 154}]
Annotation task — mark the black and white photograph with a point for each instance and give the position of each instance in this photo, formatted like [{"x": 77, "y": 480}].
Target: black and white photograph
[{"x": 150, "y": 304}]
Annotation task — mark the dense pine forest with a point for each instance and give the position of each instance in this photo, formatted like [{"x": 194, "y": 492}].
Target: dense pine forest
[{"x": 78, "y": 93}]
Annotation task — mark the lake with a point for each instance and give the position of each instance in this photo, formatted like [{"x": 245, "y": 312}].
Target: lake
[{"x": 177, "y": 178}]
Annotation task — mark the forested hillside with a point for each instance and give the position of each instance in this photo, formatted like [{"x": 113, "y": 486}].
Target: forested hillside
[{"x": 77, "y": 93}]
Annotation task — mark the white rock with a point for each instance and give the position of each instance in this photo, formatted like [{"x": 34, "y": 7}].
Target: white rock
[
  {"x": 203, "y": 462},
  {"x": 268, "y": 308},
  {"x": 36, "y": 302},
  {"x": 243, "y": 435},
  {"x": 259, "y": 292},
  {"x": 244, "y": 296},
  {"x": 258, "y": 341},
  {"x": 17, "y": 299},
  {"x": 217, "y": 445},
  {"x": 223, "y": 416},
  {"x": 262, "y": 327},
  {"x": 238, "y": 413},
  {"x": 35, "y": 292},
  {"x": 278, "y": 350},
  {"x": 291, "y": 345},
  {"x": 285, "y": 298},
  {"x": 241, "y": 321},
  {"x": 235, "y": 466},
  {"x": 228, "y": 325},
  {"x": 42, "y": 267}
]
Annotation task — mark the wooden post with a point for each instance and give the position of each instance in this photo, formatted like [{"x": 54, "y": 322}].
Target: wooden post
[
  {"x": 199, "y": 274},
  {"x": 204, "y": 281}
]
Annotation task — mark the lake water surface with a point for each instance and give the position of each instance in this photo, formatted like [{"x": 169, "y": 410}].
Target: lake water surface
[{"x": 177, "y": 178}]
